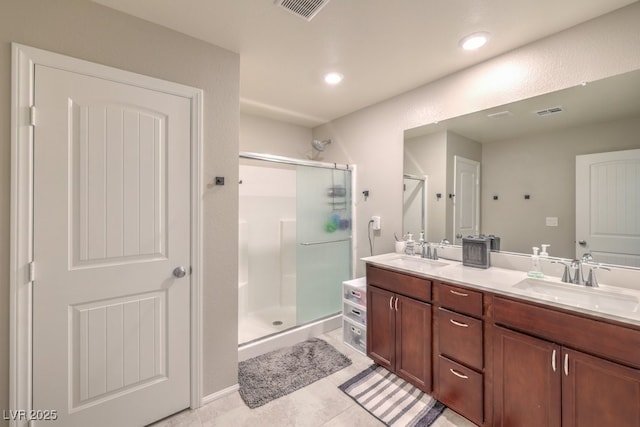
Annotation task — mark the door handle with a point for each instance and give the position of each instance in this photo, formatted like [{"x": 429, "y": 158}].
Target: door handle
[
  {"x": 396, "y": 304},
  {"x": 582, "y": 243},
  {"x": 553, "y": 361},
  {"x": 566, "y": 364},
  {"x": 179, "y": 272},
  {"x": 391, "y": 302}
]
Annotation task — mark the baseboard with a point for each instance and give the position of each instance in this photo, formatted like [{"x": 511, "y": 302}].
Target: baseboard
[{"x": 219, "y": 394}]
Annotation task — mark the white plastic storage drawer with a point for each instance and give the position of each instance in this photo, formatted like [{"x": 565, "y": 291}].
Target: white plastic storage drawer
[
  {"x": 354, "y": 335},
  {"x": 356, "y": 291},
  {"x": 354, "y": 312}
]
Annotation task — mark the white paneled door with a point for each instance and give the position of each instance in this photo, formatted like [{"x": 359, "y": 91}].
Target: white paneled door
[
  {"x": 111, "y": 294},
  {"x": 466, "y": 201},
  {"x": 608, "y": 207}
]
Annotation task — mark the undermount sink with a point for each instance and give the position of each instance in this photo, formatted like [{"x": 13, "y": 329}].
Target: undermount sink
[
  {"x": 580, "y": 296},
  {"x": 415, "y": 263}
]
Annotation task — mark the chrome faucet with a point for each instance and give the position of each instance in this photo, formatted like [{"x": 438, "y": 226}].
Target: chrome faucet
[
  {"x": 592, "y": 281},
  {"x": 576, "y": 266},
  {"x": 428, "y": 252},
  {"x": 426, "y": 249},
  {"x": 578, "y": 277},
  {"x": 566, "y": 276}
]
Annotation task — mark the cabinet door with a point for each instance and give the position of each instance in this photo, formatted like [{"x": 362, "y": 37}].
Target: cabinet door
[
  {"x": 596, "y": 392},
  {"x": 527, "y": 380},
  {"x": 413, "y": 342},
  {"x": 381, "y": 326}
]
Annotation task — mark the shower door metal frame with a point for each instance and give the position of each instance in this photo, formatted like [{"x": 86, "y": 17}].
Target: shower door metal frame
[{"x": 325, "y": 165}]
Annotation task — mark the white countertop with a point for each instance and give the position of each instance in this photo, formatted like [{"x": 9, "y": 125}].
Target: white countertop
[{"x": 503, "y": 281}]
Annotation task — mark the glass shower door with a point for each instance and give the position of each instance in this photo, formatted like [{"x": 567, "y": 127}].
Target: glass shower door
[{"x": 323, "y": 247}]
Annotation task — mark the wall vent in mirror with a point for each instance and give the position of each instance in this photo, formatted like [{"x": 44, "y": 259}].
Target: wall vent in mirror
[{"x": 550, "y": 111}]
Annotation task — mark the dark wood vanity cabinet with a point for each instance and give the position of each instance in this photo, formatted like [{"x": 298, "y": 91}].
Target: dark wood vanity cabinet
[
  {"x": 503, "y": 361},
  {"x": 399, "y": 324},
  {"x": 544, "y": 380},
  {"x": 459, "y": 350}
]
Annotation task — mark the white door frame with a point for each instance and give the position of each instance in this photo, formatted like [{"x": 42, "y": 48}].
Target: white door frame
[{"x": 24, "y": 59}]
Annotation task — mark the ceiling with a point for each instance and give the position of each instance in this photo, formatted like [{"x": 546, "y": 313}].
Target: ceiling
[{"x": 383, "y": 48}]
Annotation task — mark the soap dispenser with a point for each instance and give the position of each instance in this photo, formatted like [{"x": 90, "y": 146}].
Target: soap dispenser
[
  {"x": 409, "y": 245},
  {"x": 535, "y": 271},
  {"x": 544, "y": 252}
]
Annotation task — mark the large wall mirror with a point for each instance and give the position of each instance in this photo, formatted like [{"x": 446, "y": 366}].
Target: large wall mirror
[{"x": 561, "y": 169}]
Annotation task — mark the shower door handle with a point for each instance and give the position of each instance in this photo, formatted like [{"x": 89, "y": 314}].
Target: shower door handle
[{"x": 324, "y": 242}]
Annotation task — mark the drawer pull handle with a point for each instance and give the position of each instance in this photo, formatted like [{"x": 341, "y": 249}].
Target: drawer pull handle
[
  {"x": 356, "y": 331},
  {"x": 566, "y": 364},
  {"x": 458, "y": 293},
  {"x": 458, "y": 374},
  {"x": 462, "y": 325},
  {"x": 356, "y": 294},
  {"x": 553, "y": 360},
  {"x": 356, "y": 312}
]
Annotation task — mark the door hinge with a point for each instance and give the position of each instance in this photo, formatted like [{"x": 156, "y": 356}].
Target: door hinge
[
  {"x": 32, "y": 115},
  {"x": 32, "y": 271}
]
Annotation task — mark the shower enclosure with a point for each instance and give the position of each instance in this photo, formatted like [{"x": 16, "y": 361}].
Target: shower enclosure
[{"x": 295, "y": 243}]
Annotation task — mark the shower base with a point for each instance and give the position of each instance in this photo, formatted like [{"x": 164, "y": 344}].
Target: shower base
[
  {"x": 290, "y": 336},
  {"x": 265, "y": 322}
]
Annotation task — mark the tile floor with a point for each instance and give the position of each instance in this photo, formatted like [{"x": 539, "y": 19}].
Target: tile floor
[{"x": 318, "y": 404}]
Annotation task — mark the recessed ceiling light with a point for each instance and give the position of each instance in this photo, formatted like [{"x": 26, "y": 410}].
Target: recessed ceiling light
[
  {"x": 474, "y": 41},
  {"x": 333, "y": 78}
]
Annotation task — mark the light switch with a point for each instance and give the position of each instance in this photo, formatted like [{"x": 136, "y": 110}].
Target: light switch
[{"x": 552, "y": 221}]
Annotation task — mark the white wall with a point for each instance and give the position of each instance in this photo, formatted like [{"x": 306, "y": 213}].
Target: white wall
[
  {"x": 372, "y": 138},
  {"x": 268, "y": 136},
  {"x": 85, "y": 30}
]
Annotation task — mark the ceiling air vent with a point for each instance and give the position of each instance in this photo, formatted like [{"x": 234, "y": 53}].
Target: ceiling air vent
[
  {"x": 550, "y": 111},
  {"x": 306, "y": 9}
]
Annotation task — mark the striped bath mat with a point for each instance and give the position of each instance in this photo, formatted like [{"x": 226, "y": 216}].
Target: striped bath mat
[{"x": 391, "y": 399}]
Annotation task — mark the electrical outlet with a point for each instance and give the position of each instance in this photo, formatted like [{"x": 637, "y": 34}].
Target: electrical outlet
[{"x": 376, "y": 222}]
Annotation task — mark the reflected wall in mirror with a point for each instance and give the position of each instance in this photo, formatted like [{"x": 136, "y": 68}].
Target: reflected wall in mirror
[{"x": 527, "y": 152}]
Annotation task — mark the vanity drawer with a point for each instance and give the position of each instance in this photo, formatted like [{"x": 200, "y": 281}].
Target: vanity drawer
[
  {"x": 460, "y": 338},
  {"x": 459, "y": 299},
  {"x": 411, "y": 286},
  {"x": 461, "y": 389}
]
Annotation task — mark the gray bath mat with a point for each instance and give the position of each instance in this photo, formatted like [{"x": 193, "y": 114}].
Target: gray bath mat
[
  {"x": 280, "y": 372},
  {"x": 391, "y": 399}
]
